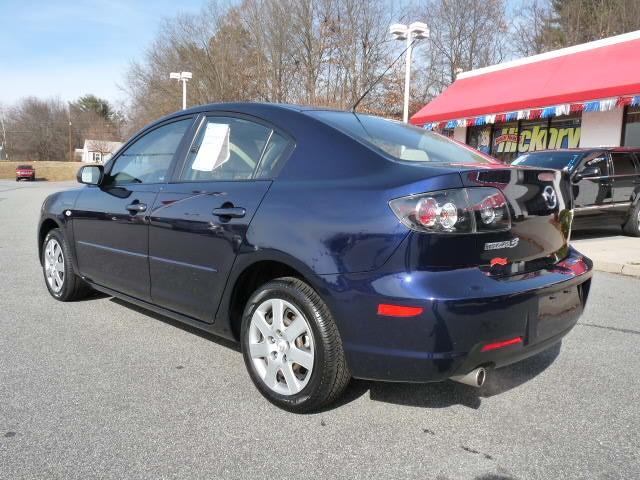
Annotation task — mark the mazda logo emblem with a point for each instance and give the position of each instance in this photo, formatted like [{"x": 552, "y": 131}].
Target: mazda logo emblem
[{"x": 550, "y": 197}]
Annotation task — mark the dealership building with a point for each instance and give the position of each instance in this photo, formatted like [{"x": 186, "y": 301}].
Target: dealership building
[{"x": 582, "y": 96}]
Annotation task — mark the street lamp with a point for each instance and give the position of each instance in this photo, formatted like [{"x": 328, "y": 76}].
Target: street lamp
[
  {"x": 183, "y": 77},
  {"x": 411, "y": 33}
]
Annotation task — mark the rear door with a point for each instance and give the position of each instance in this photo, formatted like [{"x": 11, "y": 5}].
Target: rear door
[
  {"x": 110, "y": 221},
  {"x": 624, "y": 178},
  {"x": 201, "y": 220}
]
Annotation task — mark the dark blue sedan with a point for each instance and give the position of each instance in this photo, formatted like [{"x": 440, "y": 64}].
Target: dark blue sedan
[{"x": 329, "y": 244}]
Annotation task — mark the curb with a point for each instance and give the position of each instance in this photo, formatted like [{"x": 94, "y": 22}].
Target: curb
[{"x": 617, "y": 268}]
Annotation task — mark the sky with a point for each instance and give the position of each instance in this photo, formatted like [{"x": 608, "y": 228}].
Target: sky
[{"x": 69, "y": 48}]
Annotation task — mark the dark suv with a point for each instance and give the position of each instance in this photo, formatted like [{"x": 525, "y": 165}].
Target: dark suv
[{"x": 606, "y": 183}]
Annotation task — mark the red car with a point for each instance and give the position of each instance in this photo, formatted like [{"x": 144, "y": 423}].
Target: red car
[{"x": 25, "y": 172}]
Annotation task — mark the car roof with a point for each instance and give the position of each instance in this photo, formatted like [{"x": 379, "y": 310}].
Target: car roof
[{"x": 247, "y": 107}]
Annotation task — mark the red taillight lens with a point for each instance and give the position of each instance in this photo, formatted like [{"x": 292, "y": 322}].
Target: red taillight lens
[
  {"x": 458, "y": 210},
  {"x": 427, "y": 211},
  {"x": 398, "y": 310},
  {"x": 505, "y": 343}
]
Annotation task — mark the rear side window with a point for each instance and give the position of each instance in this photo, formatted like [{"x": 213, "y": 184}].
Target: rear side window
[
  {"x": 600, "y": 163},
  {"x": 228, "y": 148},
  {"x": 400, "y": 141},
  {"x": 148, "y": 159},
  {"x": 623, "y": 164}
]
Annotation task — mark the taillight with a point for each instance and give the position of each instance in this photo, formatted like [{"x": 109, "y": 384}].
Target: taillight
[{"x": 459, "y": 210}]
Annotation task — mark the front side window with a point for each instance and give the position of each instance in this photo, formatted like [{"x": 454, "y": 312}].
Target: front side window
[
  {"x": 600, "y": 163},
  {"x": 228, "y": 148},
  {"x": 623, "y": 164},
  {"x": 148, "y": 159}
]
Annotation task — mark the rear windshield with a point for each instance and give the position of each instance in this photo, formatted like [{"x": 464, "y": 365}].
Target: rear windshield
[
  {"x": 399, "y": 140},
  {"x": 555, "y": 160},
  {"x": 26, "y": 167}
]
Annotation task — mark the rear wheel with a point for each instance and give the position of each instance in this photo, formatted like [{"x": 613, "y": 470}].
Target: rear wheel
[
  {"x": 61, "y": 279},
  {"x": 632, "y": 227},
  {"x": 291, "y": 346}
]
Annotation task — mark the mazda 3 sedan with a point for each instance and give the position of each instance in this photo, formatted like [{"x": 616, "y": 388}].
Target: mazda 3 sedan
[{"x": 329, "y": 244}]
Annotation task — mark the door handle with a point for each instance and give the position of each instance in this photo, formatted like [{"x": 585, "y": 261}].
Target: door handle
[
  {"x": 137, "y": 207},
  {"x": 229, "y": 212}
]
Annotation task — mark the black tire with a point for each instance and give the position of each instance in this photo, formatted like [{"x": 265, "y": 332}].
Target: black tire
[
  {"x": 73, "y": 287},
  {"x": 330, "y": 374},
  {"x": 632, "y": 226}
]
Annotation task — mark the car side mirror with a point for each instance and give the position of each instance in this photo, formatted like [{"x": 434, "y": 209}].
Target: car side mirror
[
  {"x": 588, "y": 172},
  {"x": 91, "y": 174}
]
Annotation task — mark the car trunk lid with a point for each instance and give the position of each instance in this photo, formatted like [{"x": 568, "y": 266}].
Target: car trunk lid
[{"x": 540, "y": 206}]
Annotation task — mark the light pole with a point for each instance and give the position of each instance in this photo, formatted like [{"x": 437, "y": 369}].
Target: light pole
[
  {"x": 411, "y": 33},
  {"x": 3, "y": 153},
  {"x": 183, "y": 77}
]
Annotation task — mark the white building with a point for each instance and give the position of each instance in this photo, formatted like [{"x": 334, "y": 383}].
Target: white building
[{"x": 99, "y": 151}]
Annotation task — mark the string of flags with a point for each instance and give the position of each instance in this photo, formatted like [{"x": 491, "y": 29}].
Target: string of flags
[{"x": 604, "y": 105}]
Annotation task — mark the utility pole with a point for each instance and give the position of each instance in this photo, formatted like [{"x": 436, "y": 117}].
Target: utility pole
[
  {"x": 4, "y": 155},
  {"x": 70, "y": 145}
]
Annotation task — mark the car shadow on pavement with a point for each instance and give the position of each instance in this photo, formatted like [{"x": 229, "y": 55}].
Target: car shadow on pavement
[
  {"x": 425, "y": 395},
  {"x": 177, "y": 324},
  {"x": 448, "y": 393}
]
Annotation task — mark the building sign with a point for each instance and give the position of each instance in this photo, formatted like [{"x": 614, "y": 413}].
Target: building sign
[{"x": 535, "y": 137}]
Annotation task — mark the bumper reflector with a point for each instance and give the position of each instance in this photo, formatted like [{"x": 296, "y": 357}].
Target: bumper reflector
[
  {"x": 505, "y": 343},
  {"x": 398, "y": 310}
]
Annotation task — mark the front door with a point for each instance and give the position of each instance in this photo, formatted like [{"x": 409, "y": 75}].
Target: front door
[
  {"x": 111, "y": 221},
  {"x": 200, "y": 222},
  {"x": 593, "y": 191}
]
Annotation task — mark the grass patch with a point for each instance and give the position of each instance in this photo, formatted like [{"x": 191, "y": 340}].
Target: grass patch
[{"x": 51, "y": 171}]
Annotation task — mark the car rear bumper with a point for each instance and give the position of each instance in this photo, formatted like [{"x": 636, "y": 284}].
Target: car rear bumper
[{"x": 463, "y": 310}]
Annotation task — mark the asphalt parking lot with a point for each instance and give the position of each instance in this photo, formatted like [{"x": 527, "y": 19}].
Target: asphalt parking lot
[{"x": 99, "y": 388}]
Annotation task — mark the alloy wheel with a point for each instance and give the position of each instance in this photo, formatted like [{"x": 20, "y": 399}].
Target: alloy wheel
[
  {"x": 281, "y": 346},
  {"x": 54, "y": 265}
]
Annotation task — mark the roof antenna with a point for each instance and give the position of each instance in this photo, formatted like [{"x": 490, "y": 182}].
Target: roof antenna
[{"x": 355, "y": 105}]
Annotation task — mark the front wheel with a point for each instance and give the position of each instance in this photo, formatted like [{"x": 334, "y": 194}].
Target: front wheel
[
  {"x": 61, "y": 279},
  {"x": 632, "y": 227},
  {"x": 291, "y": 346}
]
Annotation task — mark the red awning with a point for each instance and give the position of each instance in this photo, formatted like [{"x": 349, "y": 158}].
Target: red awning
[{"x": 575, "y": 74}]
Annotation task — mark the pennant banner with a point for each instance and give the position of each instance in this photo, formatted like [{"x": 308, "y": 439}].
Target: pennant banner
[{"x": 603, "y": 105}]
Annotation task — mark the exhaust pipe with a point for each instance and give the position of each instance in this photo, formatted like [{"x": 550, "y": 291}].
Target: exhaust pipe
[{"x": 474, "y": 378}]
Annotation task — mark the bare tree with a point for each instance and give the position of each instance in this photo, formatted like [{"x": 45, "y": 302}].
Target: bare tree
[
  {"x": 532, "y": 29},
  {"x": 465, "y": 34},
  {"x": 37, "y": 130},
  {"x": 301, "y": 51}
]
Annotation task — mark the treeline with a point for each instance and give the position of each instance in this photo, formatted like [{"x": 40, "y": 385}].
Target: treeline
[
  {"x": 319, "y": 52},
  {"x": 49, "y": 129},
  {"x": 326, "y": 52}
]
